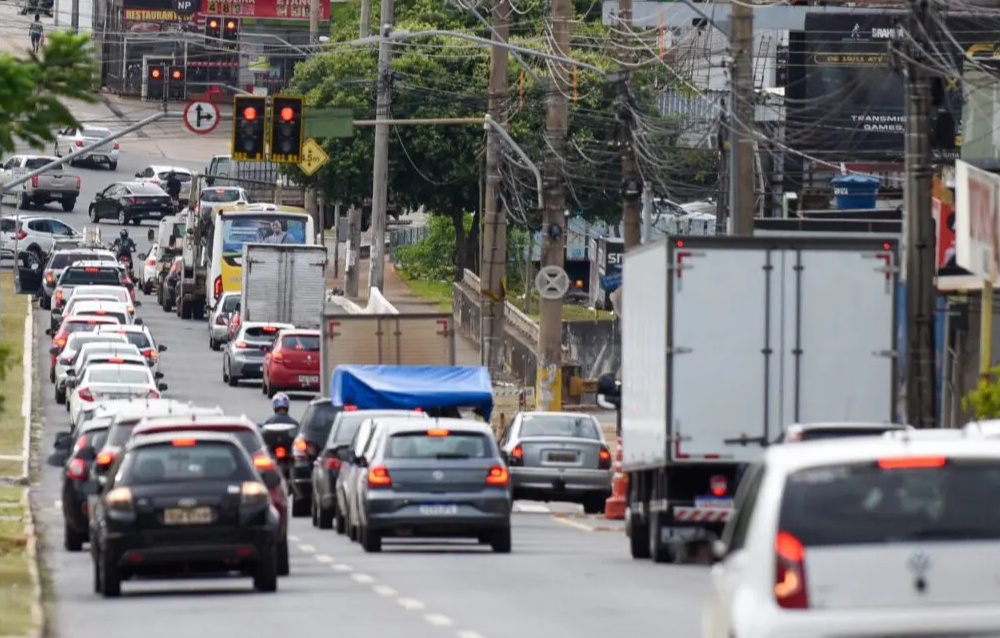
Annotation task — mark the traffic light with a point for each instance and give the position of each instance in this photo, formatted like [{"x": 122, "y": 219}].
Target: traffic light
[
  {"x": 155, "y": 82},
  {"x": 213, "y": 27},
  {"x": 286, "y": 129},
  {"x": 175, "y": 78},
  {"x": 249, "y": 112},
  {"x": 231, "y": 29}
]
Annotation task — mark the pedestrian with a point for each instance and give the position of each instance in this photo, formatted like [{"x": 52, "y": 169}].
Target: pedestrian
[{"x": 35, "y": 32}]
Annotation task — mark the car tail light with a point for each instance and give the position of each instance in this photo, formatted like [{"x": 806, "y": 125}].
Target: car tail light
[
  {"x": 280, "y": 452},
  {"x": 50, "y": 277},
  {"x": 217, "y": 286},
  {"x": 78, "y": 182},
  {"x": 134, "y": 200},
  {"x": 498, "y": 475},
  {"x": 242, "y": 345},
  {"x": 22, "y": 234},
  {"x": 718, "y": 485},
  {"x": 85, "y": 394},
  {"x": 116, "y": 360},
  {"x": 60, "y": 342},
  {"x": 603, "y": 459},
  {"x": 300, "y": 448},
  {"x": 262, "y": 462},
  {"x": 277, "y": 357},
  {"x": 150, "y": 353},
  {"x": 79, "y": 143},
  {"x": 268, "y": 329},
  {"x": 117, "y": 146},
  {"x": 77, "y": 469},
  {"x": 34, "y": 181},
  {"x": 378, "y": 476},
  {"x": 350, "y": 408},
  {"x": 153, "y": 394},
  {"x": 254, "y": 494},
  {"x": 220, "y": 320},
  {"x": 789, "y": 572},
  {"x": 151, "y": 261},
  {"x": 119, "y": 499},
  {"x": 105, "y": 459},
  {"x": 183, "y": 442},
  {"x": 912, "y": 462},
  {"x": 91, "y": 269},
  {"x": 333, "y": 463},
  {"x": 516, "y": 456}
]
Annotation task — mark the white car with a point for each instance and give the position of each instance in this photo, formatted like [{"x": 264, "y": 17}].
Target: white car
[
  {"x": 158, "y": 174},
  {"x": 119, "y": 293},
  {"x": 71, "y": 139},
  {"x": 140, "y": 337},
  {"x": 34, "y": 234},
  {"x": 887, "y": 536},
  {"x": 93, "y": 354},
  {"x": 211, "y": 198},
  {"x": 218, "y": 319},
  {"x": 111, "y": 382},
  {"x": 68, "y": 357},
  {"x": 116, "y": 310}
]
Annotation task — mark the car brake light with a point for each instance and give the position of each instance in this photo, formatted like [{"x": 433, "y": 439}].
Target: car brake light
[
  {"x": 280, "y": 452},
  {"x": 34, "y": 181},
  {"x": 418, "y": 409},
  {"x": 77, "y": 469},
  {"x": 269, "y": 329},
  {"x": 217, "y": 286},
  {"x": 116, "y": 360},
  {"x": 153, "y": 394},
  {"x": 22, "y": 234},
  {"x": 242, "y": 345},
  {"x": 277, "y": 357},
  {"x": 789, "y": 572},
  {"x": 61, "y": 342},
  {"x": 104, "y": 459},
  {"x": 333, "y": 464},
  {"x": 497, "y": 475},
  {"x": 78, "y": 182},
  {"x": 516, "y": 456},
  {"x": 117, "y": 146},
  {"x": 119, "y": 498},
  {"x": 350, "y": 408},
  {"x": 299, "y": 447},
  {"x": 220, "y": 320},
  {"x": 378, "y": 476},
  {"x": 263, "y": 463},
  {"x": 253, "y": 493},
  {"x": 85, "y": 394},
  {"x": 437, "y": 432},
  {"x": 603, "y": 458},
  {"x": 718, "y": 485},
  {"x": 134, "y": 200},
  {"x": 50, "y": 276},
  {"x": 79, "y": 143},
  {"x": 183, "y": 442},
  {"x": 912, "y": 462}
]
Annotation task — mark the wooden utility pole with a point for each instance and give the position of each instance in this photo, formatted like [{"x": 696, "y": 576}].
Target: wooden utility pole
[
  {"x": 494, "y": 249},
  {"x": 631, "y": 180},
  {"x": 741, "y": 122},
  {"x": 380, "y": 172},
  {"x": 549, "y": 372},
  {"x": 920, "y": 259}
]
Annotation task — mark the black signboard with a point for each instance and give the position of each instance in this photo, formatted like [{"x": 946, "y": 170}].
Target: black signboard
[{"x": 605, "y": 269}]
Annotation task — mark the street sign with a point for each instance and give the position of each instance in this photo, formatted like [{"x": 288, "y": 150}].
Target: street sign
[
  {"x": 322, "y": 123},
  {"x": 552, "y": 282},
  {"x": 313, "y": 157},
  {"x": 201, "y": 117}
]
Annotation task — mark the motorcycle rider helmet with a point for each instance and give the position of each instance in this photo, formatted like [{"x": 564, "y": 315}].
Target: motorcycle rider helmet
[
  {"x": 124, "y": 234},
  {"x": 280, "y": 402}
]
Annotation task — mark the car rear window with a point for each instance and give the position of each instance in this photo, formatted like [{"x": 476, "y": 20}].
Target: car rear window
[
  {"x": 99, "y": 133},
  {"x": 306, "y": 343},
  {"x": 181, "y": 177},
  {"x": 120, "y": 316},
  {"x": 146, "y": 188},
  {"x": 248, "y": 439},
  {"x": 91, "y": 276},
  {"x": 229, "y": 303},
  {"x": 865, "y": 504},
  {"x": 454, "y": 445},
  {"x": 554, "y": 425},
  {"x": 138, "y": 339},
  {"x": 82, "y": 326},
  {"x": 821, "y": 434},
  {"x": 62, "y": 260},
  {"x": 261, "y": 333},
  {"x": 93, "y": 438},
  {"x": 318, "y": 420},
  {"x": 77, "y": 341},
  {"x": 170, "y": 463},
  {"x": 126, "y": 375},
  {"x": 348, "y": 423}
]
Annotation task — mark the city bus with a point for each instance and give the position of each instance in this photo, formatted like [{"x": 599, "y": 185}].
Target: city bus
[{"x": 253, "y": 223}]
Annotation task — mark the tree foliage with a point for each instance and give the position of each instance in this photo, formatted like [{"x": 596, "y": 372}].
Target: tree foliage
[
  {"x": 984, "y": 401},
  {"x": 30, "y": 106}
]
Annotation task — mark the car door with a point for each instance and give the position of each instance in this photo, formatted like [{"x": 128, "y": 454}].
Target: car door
[
  {"x": 100, "y": 203},
  {"x": 40, "y": 232},
  {"x": 109, "y": 202}
]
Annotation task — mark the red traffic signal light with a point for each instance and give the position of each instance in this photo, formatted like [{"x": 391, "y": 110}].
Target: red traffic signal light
[
  {"x": 287, "y": 114},
  {"x": 250, "y": 113},
  {"x": 213, "y": 24},
  {"x": 176, "y": 74},
  {"x": 155, "y": 73},
  {"x": 231, "y": 25}
]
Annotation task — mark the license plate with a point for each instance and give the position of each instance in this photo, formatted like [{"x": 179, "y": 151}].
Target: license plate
[
  {"x": 438, "y": 510},
  {"x": 182, "y": 516},
  {"x": 712, "y": 502},
  {"x": 562, "y": 457},
  {"x": 306, "y": 380}
]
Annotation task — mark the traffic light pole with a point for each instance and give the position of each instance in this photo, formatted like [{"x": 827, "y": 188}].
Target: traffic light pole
[{"x": 89, "y": 147}]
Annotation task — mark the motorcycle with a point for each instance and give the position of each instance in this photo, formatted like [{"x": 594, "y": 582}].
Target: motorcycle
[
  {"x": 126, "y": 260},
  {"x": 279, "y": 438}
]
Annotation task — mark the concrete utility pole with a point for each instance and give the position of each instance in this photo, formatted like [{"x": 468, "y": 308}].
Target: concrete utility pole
[
  {"x": 74, "y": 17},
  {"x": 313, "y": 21},
  {"x": 353, "y": 254},
  {"x": 741, "y": 122},
  {"x": 631, "y": 180},
  {"x": 380, "y": 173},
  {"x": 494, "y": 249},
  {"x": 366, "y": 17},
  {"x": 549, "y": 373},
  {"x": 920, "y": 260}
]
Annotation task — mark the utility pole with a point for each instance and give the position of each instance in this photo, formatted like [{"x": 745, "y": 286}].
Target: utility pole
[
  {"x": 366, "y": 17},
  {"x": 74, "y": 17},
  {"x": 353, "y": 253},
  {"x": 380, "y": 174},
  {"x": 549, "y": 373},
  {"x": 920, "y": 260},
  {"x": 494, "y": 249},
  {"x": 723, "y": 142},
  {"x": 313, "y": 21},
  {"x": 741, "y": 122},
  {"x": 631, "y": 180}
]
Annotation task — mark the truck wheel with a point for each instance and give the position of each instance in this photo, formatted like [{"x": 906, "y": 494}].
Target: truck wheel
[
  {"x": 113, "y": 166},
  {"x": 68, "y": 205},
  {"x": 659, "y": 551},
  {"x": 186, "y": 309},
  {"x": 23, "y": 202},
  {"x": 198, "y": 311}
]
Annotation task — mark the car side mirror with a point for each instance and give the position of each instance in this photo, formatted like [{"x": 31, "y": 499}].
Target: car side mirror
[
  {"x": 70, "y": 383},
  {"x": 719, "y": 551},
  {"x": 53, "y": 349},
  {"x": 158, "y": 375},
  {"x": 64, "y": 441},
  {"x": 360, "y": 461},
  {"x": 71, "y": 372},
  {"x": 138, "y": 322},
  {"x": 271, "y": 479},
  {"x": 162, "y": 387},
  {"x": 162, "y": 348},
  {"x": 142, "y": 256},
  {"x": 138, "y": 174},
  {"x": 48, "y": 332}
]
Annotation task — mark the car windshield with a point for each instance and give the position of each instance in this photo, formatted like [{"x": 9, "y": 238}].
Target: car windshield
[
  {"x": 127, "y": 375},
  {"x": 307, "y": 343},
  {"x": 261, "y": 334},
  {"x": 182, "y": 461},
  {"x": 452, "y": 445},
  {"x": 78, "y": 299},
  {"x": 120, "y": 316},
  {"x": 34, "y": 163},
  {"x": 866, "y": 504},
  {"x": 62, "y": 260},
  {"x": 578, "y": 427},
  {"x": 348, "y": 423},
  {"x": 229, "y": 303},
  {"x": 214, "y": 195}
]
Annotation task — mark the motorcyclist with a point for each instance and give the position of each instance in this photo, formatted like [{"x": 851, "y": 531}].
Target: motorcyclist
[
  {"x": 123, "y": 247},
  {"x": 174, "y": 187},
  {"x": 280, "y": 403}
]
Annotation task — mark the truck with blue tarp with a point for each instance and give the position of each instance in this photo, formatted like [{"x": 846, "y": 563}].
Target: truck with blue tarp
[{"x": 440, "y": 391}]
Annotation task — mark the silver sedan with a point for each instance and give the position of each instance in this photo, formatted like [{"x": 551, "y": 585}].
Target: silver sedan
[{"x": 558, "y": 456}]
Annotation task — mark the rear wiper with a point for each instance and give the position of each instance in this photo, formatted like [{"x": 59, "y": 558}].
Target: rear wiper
[{"x": 451, "y": 455}]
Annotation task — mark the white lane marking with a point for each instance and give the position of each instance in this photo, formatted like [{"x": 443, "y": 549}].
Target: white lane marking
[
  {"x": 323, "y": 558},
  {"x": 468, "y": 634},
  {"x": 571, "y": 523},
  {"x": 410, "y": 605},
  {"x": 364, "y": 579},
  {"x": 294, "y": 539},
  {"x": 58, "y": 504},
  {"x": 340, "y": 567},
  {"x": 309, "y": 549},
  {"x": 438, "y": 620},
  {"x": 384, "y": 590},
  {"x": 531, "y": 508}
]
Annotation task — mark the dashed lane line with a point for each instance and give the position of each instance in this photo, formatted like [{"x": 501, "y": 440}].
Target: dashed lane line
[
  {"x": 468, "y": 634},
  {"x": 410, "y": 604},
  {"x": 364, "y": 579},
  {"x": 384, "y": 590},
  {"x": 294, "y": 539},
  {"x": 438, "y": 620},
  {"x": 340, "y": 567},
  {"x": 323, "y": 558},
  {"x": 309, "y": 549}
]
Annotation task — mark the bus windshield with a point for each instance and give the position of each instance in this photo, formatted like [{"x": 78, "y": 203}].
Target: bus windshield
[{"x": 268, "y": 228}]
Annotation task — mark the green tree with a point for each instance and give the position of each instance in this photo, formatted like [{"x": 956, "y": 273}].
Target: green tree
[
  {"x": 34, "y": 85},
  {"x": 984, "y": 401}
]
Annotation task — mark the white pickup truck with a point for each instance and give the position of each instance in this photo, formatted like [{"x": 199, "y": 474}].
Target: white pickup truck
[{"x": 53, "y": 185}]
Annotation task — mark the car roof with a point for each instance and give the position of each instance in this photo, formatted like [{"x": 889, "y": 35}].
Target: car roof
[
  {"x": 107, "y": 366},
  {"x": 167, "y": 167},
  {"x": 96, "y": 422},
  {"x": 102, "y": 304},
  {"x": 101, "y": 337},
  {"x": 82, "y": 249},
  {"x": 167, "y": 437},
  {"x": 582, "y": 415},
  {"x": 196, "y": 421},
  {"x": 109, "y": 345},
  {"x": 300, "y": 331},
  {"x": 275, "y": 324},
  {"x": 91, "y": 263},
  {"x": 91, "y": 319},
  {"x": 89, "y": 289},
  {"x": 138, "y": 408},
  {"x": 846, "y": 425},
  {"x": 383, "y": 414},
  {"x": 397, "y": 425},
  {"x": 115, "y": 354}
]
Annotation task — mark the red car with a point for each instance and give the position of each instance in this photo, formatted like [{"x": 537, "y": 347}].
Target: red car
[
  {"x": 248, "y": 434},
  {"x": 292, "y": 364},
  {"x": 69, "y": 326}
]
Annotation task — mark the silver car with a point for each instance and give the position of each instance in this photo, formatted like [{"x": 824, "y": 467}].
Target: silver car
[
  {"x": 218, "y": 324},
  {"x": 68, "y": 357},
  {"x": 243, "y": 357},
  {"x": 435, "y": 479},
  {"x": 558, "y": 456},
  {"x": 85, "y": 354}
]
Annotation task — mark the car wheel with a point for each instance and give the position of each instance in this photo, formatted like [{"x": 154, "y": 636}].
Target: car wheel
[
  {"x": 198, "y": 311},
  {"x": 314, "y": 511},
  {"x": 23, "y": 202},
  {"x": 265, "y": 576},
  {"x": 93, "y": 215},
  {"x": 72, "y": 539},
  {"x": 55, "y": 150},
  {"x": 97, "y": 575},
  {"x": 282, "y": 551},
  {"x": 60, "y": 396},
  {"x": 225, "y": 370},
  {"x": 111, "y": 578},
  {"x": 500, "y": 541},
  {"x": 300, "y": 507},
  {"x": 325, "y": 518},
  {"x": 371, "y": 541},
  {"x": 232, "y": 379},
  {"x": 136, "y": 221},
  {"x": 594, "y": 503},
  {"x": 271, "y": 391},
  {"x": 122, "y": 217},
  {"x": 36, "y": 250},
  {"x": 45, "y": 302},
  {"x": 68, "y": 205},
  {"x": 52, "y": 375},
  {"x": 339, "y": 523},
  {"x": 113, "y": 166}
]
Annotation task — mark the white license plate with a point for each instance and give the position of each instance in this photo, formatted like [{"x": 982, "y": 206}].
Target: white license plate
[
  {"x": 438, "y": 510},
  {"x": 711, "y": 502},
  {"x": 561, "y": 457},
  {"x": 306, "y": 380},
  {"x": 181, "y": 516}
]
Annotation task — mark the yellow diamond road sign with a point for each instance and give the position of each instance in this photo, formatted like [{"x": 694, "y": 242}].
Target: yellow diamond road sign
[{"x": 313, "y": 157}]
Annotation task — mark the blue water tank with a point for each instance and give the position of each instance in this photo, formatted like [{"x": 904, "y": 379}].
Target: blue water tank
[{"x": 855, "y": 192}]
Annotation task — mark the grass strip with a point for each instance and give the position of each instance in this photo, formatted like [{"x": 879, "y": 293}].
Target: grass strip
[
  {"x": 16, "y": 592},
  {"x": 13, "y": 311}
]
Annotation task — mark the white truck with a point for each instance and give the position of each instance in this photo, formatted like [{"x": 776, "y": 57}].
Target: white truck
[
  {"x": 727, "y": 340},
  {"x": 284, "y": 283},
  {"x": 54, "y": 185}
]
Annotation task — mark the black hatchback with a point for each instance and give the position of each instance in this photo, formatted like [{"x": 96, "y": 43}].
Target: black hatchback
[
  {"x": 131, "y": 202},
  {"x": 78, "y": 482},
  {"x": 316, "y": 424},
  {"x": 184, "y": 504}
]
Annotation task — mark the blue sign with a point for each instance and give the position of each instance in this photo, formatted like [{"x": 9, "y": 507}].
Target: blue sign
[{"x": 612, "y": 282}]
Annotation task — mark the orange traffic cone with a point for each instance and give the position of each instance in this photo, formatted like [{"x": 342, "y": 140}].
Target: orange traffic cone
[{"x": 614, "y": 507}]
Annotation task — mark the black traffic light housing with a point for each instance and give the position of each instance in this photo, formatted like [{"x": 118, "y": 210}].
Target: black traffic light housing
[
  {"x": 175, "y": 80},
  {"x": 156, "y": 76},
  {"x": 249, "y": 124},
  {"x": 230, "y": 29},
  {"x": 213, "y": 27},
  {"x": 287, "y": 129}
]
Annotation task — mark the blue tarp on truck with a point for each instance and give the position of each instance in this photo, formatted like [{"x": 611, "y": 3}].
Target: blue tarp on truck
[{"x": 369, "y": 387}]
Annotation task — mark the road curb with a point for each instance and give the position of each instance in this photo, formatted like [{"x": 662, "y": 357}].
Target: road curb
[
  {"x": 37, "y": 614},
  {"x": 28, "y": 370}
]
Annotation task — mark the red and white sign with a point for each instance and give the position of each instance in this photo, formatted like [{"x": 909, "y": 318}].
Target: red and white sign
[
  {"x": 265, "y": 9},
  {"x": 977, "y": 220},
  {"x": 201, "y": 117}
]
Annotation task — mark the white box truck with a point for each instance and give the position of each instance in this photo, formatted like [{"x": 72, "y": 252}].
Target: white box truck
[
  {"x": 727, "y": 340},
  {"x": 284, "y": 283}
]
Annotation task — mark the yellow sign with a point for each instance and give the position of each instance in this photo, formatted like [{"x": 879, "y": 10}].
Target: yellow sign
[
  {"x": 548, "y": 388},
  {"x": 313, "y": 157}
]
